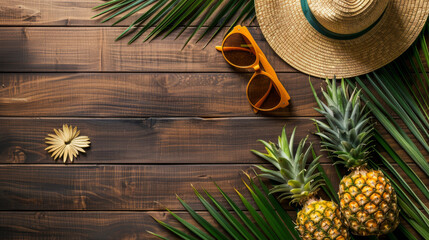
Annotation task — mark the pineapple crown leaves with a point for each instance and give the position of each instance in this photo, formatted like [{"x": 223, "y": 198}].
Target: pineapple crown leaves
[
  {"x": 348, "y": 131},
  {"x": 295, "y": 180}
]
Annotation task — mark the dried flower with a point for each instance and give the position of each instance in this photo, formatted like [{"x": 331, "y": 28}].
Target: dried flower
[{"x": 66, "y": 143}]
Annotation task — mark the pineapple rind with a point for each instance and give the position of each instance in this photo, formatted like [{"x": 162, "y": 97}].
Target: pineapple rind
[
  {"x": 368, "y": 203},
  {"x": 321, "y": 220}
]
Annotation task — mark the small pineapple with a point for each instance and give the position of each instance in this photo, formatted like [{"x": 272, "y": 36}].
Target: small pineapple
[
  {"x": 318, "y": 219},
  {"x": 367, "y": 198}
]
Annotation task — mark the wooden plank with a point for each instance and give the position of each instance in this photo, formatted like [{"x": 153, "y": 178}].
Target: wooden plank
[
  {"x": 152, "y": 140},
  {"x": 119, "y": 187},
  {"x": 58, "y": 13},
  {"x": 51, "y": 12},
  {"x": 114, "y": 187},
  {"x": 157, "y": 140},
  {"x": 89, "y": 225},
  {"x": 93, "y": 225},
  {"x": 93, "y": 49},
  {"x": 143, "y": 95}
]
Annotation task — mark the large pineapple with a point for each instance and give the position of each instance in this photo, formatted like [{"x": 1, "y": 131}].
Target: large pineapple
[
  {"x": 318, "y": 219},
  {"x": 367, "y": 198}
]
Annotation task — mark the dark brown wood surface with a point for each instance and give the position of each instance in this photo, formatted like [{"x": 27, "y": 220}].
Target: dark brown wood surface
[
  {"x": 160, "y": 140},
  {"x": 159, "y": 120},
  {"x": 59, "y": 13},
  {"x": 93, "y": 49},
  {"x": 142, "y": 94}
]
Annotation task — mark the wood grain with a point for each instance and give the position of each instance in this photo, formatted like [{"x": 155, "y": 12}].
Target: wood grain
[
  {"x": 159, "y": 120},
  {"x": 51, "y": 12},
  {"x": 114, "y": 187},
  {"x": 151, "y": 140},
  {"x": 61, "y": 13},
  {"x": 93, "y": 49},
  {"x": 157, "y": 140},
  {"x": 95, "y": 224},
  {"x": 120, "y": 187},
  {"x": 143, "y": 95},
  {"x": 89, "y": 225}
]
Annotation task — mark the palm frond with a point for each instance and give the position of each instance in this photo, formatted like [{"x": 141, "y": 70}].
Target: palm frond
[
  {"x": 166, "y": 16},
  {"x": 405, "y": 92},
  {"x": 269, "y": 221},
  {"x": 409, "y": 210}
]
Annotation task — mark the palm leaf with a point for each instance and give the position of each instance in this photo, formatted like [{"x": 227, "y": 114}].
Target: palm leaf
[
  {"x": 218, "y": 17},
  {"x": 270, "y": 222},
  {"x": 207, "y": 16},
  {"x": 396, "y": 85},
  {"x": 106, "y": 4},
  {"x": 249, "y": 224},
  {"x": 159, "y": 4},
  {"x": 193, "y": 16},
  {"x": 409, "y": 211},
  {"x": 393, "y": 127},
  {"x": 178, "y": 13},
  {"x": 218, "y": 217},
  {"x": 262, "y": 223},
  {"x": 225, "y": 19},
  {"x": 147, "y": 3},
  {"x": 206, "y": 225},
  {"x": 171, "y": 14},
  {"x": 116, "y": 7},
  {"x": 402, "y": 164},
  {"x": 282, "y": 213},
  {"x": 268, "y": 211},
  {"x": 176, "y": 231},
  {"x": 161, "y": 14}
]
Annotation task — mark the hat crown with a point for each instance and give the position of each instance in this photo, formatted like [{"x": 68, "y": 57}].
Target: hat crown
[{"x": 347, "y": 16}]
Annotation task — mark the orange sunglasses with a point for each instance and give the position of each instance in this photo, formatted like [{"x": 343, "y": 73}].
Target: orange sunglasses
[{"x": 240, "y": 50}]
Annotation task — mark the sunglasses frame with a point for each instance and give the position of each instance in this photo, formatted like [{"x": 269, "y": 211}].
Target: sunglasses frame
[{"x": 261, "y": 59}]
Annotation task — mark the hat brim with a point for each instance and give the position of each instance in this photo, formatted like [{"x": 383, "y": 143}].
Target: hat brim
[{"x": 291, "y": 36}]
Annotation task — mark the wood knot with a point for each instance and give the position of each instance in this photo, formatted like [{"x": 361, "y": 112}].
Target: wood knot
[
  {"x": 16, "y": 154},
  {"x": 149, "y": 122},
  {"x": 166, "y": 82},
  {"x": 129, "y": 187},
  {"x": 19, "y": 12},
  {"x": 80, "y": 202},
  {"x": 40, "y": 215}
]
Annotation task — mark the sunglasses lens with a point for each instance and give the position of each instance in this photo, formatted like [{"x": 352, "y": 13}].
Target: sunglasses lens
[
  {"x": 238, "y": 50},
  {"x": 262, "y": 93}
]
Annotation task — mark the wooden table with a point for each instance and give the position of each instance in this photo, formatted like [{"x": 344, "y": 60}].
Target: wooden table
[{"x": 159, "y": 119}]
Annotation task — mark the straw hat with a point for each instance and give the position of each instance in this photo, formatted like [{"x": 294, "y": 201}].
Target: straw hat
[{"x": 345, "y": 38}]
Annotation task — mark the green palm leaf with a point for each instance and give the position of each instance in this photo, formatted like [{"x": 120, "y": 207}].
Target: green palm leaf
[
  {"x": 249, "y": 224},
  {"x": 405, "y": 91},
  {"x": 206, "y": 225},
  {"x": 409, "y": 211},
  {"x": 171, "y": 14},
  {"x": 393, "y": 127},
  {"x": 270, "y": 222}
]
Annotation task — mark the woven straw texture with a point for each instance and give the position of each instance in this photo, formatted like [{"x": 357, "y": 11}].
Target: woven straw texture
[{"x": 293, "y": 38}]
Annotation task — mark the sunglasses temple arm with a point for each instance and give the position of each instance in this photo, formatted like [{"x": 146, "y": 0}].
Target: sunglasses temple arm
[
  {"x": 220, "y": 49},
  {"x": 263, "y": 98}
]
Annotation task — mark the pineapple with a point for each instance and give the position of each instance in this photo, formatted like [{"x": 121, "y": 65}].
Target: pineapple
[
  {"x": 367, "y": 198},
  {"x": 318, "y": 219}
]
